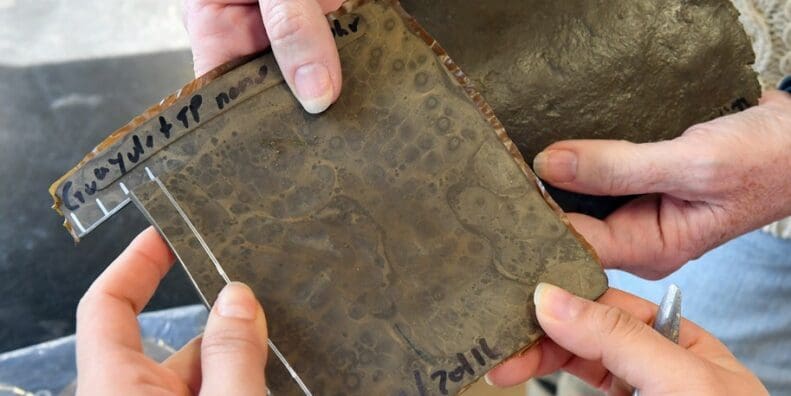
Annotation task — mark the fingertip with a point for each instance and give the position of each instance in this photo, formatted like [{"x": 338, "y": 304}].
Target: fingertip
[
  {"x": 555, "y": 304},
  {"x": 541, "y": 290},
  {"x": 488, "y": 380},
  {"x": 234, "y": 346},
  {"x": 151, "y": 241},
  {"x": 150, "y": 233},
  {"x": 237, "y": 301},
  {"x": 556, "y": 166},
  {"x": 314, "y": 87}
]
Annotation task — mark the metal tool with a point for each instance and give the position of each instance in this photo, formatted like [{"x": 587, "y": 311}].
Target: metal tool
[
  {"x": 668, "y": 317},
  {"x": 219, "y": 268}
]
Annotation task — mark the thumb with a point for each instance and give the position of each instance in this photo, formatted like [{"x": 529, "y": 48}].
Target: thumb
[
  {"x": 234, "y": 348},
  {"x": 302, "y": 42},
  {"x": 628, "y": 348},
  {"x": 616, "y": 167}
]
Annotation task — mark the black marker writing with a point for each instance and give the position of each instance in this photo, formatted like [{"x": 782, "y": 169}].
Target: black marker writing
[
  {"x": 354, "y": 25},
  {"x": 193, "y": 107},
  {"x": 78, "y": 195},
  {"x": 339, "y": 31},
  {"x": 421, "y": 388},
  {"x": 165, "y": 127},
  {"x": 443, "y": 380},
  {"x": 224, "y": 98},
  {"x": 478, "y": 357},
  {"x": 119, "y": 162},
  {"x": 187, "y": 114},
  {"x": 464, "y": 368},
  {"x": 488, "y": 351},
  {"x": 137, "y": 150},
  {"x": 100, "y": 172},
  {"x": 64, "y": 194},
  {"x": 90, "y": 189}
]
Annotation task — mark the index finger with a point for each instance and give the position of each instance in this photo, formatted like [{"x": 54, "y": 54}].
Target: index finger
[{"x": 107, "y": 313}]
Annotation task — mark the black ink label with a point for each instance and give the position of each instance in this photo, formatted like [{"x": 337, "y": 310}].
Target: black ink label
[
  {"x": 464, "y": 368},
  {"x": 225, "y": 98}
]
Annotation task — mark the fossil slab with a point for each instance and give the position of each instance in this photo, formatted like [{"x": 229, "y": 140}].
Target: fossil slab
[
  {"x": 395, "y": 240},
  {"x": 639, "y": 70}
]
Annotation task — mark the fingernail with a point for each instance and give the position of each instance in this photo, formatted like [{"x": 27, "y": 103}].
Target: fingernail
[
  {"x": 488, "y": 380},
  {"x": 237, "y": 301},
  {"x": 313, "y": 87},
  {"x": 559, "y": 166},
  {"x": 556, "y": 303}
]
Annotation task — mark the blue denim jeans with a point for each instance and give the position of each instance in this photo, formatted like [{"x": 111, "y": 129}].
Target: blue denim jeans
[{"x": 740, "y": 292}]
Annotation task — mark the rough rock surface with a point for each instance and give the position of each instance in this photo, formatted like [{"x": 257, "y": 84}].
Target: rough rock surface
[
  {"x": 395, "y": 240},
  {"x": 639, "y": 70}
]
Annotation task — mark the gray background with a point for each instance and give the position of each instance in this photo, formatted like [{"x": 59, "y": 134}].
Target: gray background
[{"x": 71, "y": 73}]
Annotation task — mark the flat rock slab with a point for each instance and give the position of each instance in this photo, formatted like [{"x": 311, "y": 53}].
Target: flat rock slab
[
  {"x": 639, "y": 70},
  {"x": 395, "y": 240}
]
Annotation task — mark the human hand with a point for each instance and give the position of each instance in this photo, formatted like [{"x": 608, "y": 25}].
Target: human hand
[
  {"x": 719, "y": 180},
  {"x": 229, "y": 359},
  {"x": 301, "y": 39},
  {"x": 610, "y": 345}
]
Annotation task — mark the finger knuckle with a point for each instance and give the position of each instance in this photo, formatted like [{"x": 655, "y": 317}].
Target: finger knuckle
[
  {"x": 616, "y": 182},
  {"x": 615, "y": 322},
  {"x": 229, "y": 342},
  {"x": 615, "y": 177},
  {"x": 699, "y": 130},
  {"x": 709, "y": 171},
  {"x": 611, "y": 173},
  {"x": 286, "y": 20}
]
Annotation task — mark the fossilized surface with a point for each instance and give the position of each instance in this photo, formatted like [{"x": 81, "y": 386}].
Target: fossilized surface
[
  {"x": 640, "y": 70},
  {"x": 395, "y": 241},
  {"x": 636, "y": 70}
]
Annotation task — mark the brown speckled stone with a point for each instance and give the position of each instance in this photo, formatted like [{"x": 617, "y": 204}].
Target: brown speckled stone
[
  {"x": 400, "y": 234},
  {"x": 395, "y": 241}
]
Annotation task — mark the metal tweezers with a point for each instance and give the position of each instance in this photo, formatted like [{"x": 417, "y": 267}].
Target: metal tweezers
[{"x": 668, "y": 317}]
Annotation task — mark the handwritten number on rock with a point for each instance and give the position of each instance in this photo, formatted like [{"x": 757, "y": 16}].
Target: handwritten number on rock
[{"x": 463, "y": 368}]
